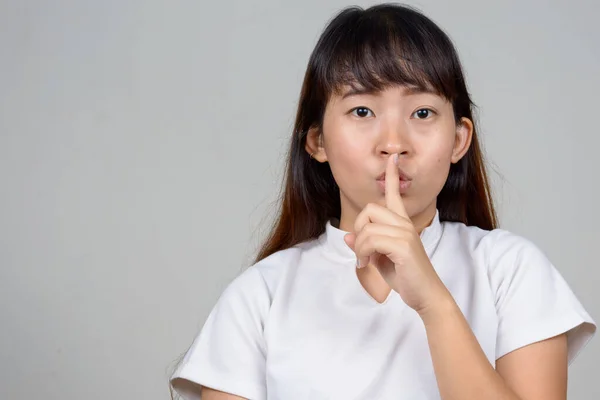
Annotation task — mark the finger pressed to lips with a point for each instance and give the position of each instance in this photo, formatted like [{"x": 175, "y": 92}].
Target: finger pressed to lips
[
  {"x": 393, "y": 200},
  {"x": 403, "y": 185}
]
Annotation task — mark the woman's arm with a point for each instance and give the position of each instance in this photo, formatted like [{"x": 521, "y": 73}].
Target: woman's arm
[
  {"x": 534, "y": 372},
  {"x": 537, "y": 371},
  {"x": 194, "y": 391},
  {"x": 211, "y": 394}
]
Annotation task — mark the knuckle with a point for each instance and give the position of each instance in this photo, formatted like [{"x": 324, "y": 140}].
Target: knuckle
[
  {"x": 369, "y": 207},
  {"x": 369, "y": 228},
  {"x": 399, "y": 220}
]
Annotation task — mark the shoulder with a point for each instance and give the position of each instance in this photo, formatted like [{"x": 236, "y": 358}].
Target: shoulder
[
  {"x": 533, "y": 301},
  {"x": 507, "y": 252},
  {"x": 494, "y": 247},
  {"x": 261, "y": 279}
]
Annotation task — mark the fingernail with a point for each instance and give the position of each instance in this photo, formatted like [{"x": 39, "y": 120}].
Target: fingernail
[
  {"x": 357, "y": 263},
  {"x": 395, "y": 158}
]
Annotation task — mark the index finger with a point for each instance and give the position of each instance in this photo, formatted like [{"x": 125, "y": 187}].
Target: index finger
[{"x": 393, "y": 200}]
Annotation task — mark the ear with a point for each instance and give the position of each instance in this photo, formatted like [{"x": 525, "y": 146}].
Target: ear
[
  {"x": 462, "y": 140},
  {"x": 314, "y": 144}
]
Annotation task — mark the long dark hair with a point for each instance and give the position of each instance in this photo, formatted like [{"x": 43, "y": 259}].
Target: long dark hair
[{"x": 384, "y": 45}]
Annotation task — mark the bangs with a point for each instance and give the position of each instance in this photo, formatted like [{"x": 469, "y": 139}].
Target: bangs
[{"x": 372, "y": 50}]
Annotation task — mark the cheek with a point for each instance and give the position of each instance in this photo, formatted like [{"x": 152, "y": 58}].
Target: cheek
[
  {"x": 346, "y": 161},
  {"x": 443, "y": 161},
  {"x": 346, "y": 148},
  {"x": 346, "y": 152},
  {"x": 438, "y": 164}
]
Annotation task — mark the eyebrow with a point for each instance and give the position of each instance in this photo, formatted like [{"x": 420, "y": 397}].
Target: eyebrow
[{"x": 409, "y": 91}]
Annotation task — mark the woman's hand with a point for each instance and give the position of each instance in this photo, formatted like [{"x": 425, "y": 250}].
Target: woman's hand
[{"x": 386, "y": 238}]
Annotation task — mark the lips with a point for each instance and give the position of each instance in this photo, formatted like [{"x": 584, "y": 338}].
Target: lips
[
  {"x": 402, "y": 175},
  {"x": 404, "y": 184}
]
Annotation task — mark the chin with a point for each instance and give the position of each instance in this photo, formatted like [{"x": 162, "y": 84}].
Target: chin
[{"x": 422, "y": 207}]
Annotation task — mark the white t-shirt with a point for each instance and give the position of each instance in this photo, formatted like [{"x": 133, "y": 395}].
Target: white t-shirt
[{"x": 299, "y": 325}]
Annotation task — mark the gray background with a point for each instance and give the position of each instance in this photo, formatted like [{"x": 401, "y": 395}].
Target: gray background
[{"x": 141, "y": 147}]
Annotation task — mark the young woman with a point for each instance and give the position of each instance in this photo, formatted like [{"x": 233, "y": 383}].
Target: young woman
[{"x": 385, "y": 275}]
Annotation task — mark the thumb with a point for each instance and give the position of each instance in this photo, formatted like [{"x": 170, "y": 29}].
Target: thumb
[{"x": 350, "y": 239}]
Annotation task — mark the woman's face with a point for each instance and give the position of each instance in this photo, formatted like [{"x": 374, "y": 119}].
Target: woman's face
[{"x": 361, "y": 130}]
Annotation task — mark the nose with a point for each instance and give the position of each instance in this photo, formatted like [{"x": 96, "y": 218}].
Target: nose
[{"x": 393, "y": 139}]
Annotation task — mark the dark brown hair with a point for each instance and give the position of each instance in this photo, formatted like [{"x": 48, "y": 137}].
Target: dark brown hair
[{"x": 375, "y": 48}]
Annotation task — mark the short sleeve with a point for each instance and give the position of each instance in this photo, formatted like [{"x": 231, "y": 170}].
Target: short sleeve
[
  {"x": 533, "y": 300},
  {"x": 229, "y": 352}
]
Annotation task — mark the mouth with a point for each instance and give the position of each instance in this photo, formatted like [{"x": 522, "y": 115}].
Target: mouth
[
  {"x": 402, "y": 187},
  {"x": 405, "y": 182},
  {"x": 403, "y": 177}
]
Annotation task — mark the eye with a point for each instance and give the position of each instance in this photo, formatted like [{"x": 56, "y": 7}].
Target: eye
[
  {"x": 423, "y": 113},
  {"x": 361, "y": 112}
]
